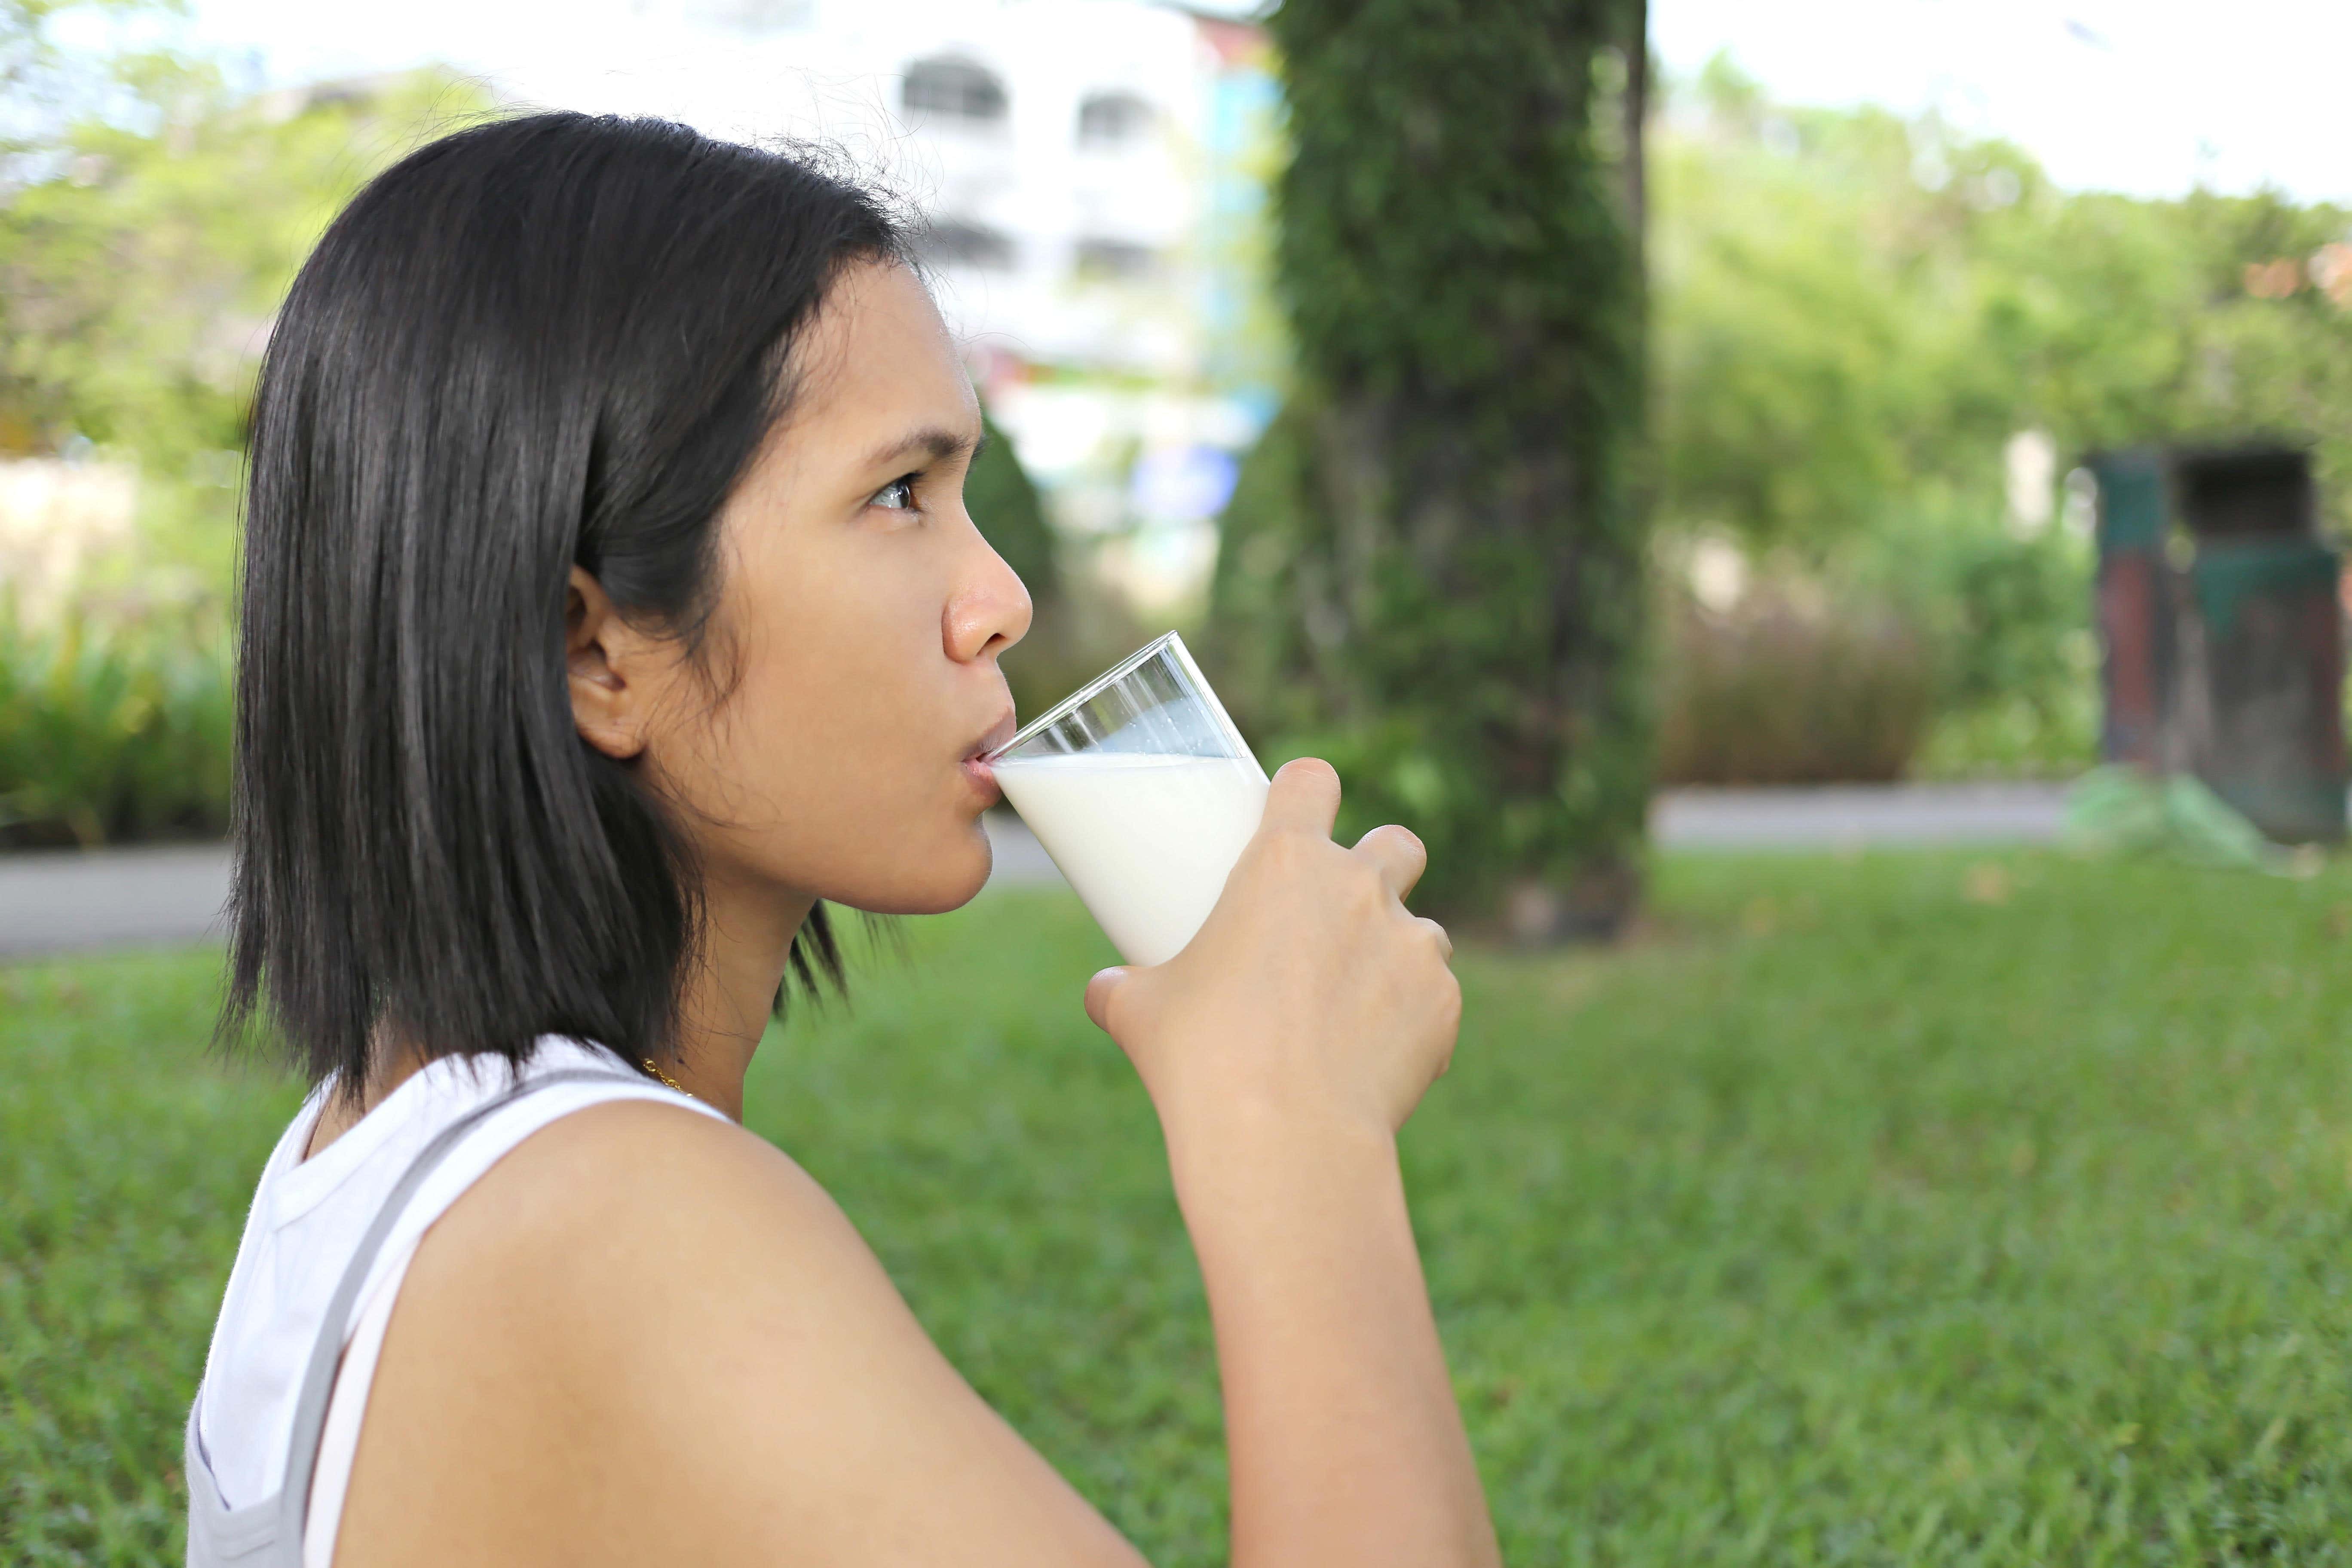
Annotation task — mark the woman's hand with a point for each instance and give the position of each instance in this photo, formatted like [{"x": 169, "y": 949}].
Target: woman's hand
[
  {"x": 1309, "y": 996},
  {"x": 1283, "y": 1049}
]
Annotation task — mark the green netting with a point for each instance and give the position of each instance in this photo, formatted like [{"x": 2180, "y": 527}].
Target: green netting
[
  {"x": 2131, "y": 502},
  {"x": 2226, "y": 573},
  {"x": 2121, "y": 810}
]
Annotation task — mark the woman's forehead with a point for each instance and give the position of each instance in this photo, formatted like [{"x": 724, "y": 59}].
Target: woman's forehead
[{"x": 879, "y": 350}]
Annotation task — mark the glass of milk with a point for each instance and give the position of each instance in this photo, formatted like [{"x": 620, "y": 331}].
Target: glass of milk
[{"x": 1142, "y": 791}]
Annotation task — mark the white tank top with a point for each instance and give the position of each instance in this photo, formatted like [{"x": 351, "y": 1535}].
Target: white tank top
[{"x": 407, "y": 1161}]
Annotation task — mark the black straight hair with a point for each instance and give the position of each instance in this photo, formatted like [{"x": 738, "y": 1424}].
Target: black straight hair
[{"x": 542, "y": 342}]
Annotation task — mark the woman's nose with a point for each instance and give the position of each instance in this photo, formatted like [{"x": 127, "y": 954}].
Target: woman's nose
[{"x": 989, "y": 610}]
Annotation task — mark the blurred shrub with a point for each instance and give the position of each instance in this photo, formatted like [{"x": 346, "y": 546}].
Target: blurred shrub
[
  {"x": 2006, "y": 607},
  {"x": 1778, "y": 692},
  {"x": 1004, "y": 505},
  {"x": 2017, "y": 660},
  {"x": 2014, "y": 738},
  {"x": 115, "y": 731},
  {"x": 1080, "y": 629},
  {"x": 2007, "y": 620}
]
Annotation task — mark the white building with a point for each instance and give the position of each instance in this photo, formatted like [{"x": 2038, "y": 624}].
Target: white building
[
  {"x": 1063, "y": 149},
  {"x": 1056, "y": 146},
  {"x": 1079, "y": 165}
]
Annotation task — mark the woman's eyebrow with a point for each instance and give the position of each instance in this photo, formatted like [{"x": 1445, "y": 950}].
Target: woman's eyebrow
[{"x": 934, "y": 442}]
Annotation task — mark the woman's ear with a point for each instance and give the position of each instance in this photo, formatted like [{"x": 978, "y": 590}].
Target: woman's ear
[{"x": 600, "y": 656}]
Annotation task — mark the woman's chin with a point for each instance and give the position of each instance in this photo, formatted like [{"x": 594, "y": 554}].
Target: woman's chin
[
  {"x": 946, "y": 881},
  {"x": 944, "y": 900}
]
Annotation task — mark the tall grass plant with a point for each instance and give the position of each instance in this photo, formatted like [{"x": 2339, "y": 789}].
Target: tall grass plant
[
  {"x": 1776, "y": 691},
  {"x": 114, "y": 726}
]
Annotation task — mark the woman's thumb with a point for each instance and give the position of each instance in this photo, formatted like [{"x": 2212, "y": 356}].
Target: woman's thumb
[{"x": 1098, "y": 992}]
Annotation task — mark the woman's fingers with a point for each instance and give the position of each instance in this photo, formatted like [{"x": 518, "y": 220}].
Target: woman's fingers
[
  {"x": 1098, "y": 991},
  {"x": 1398, "y": 855},
  {"x": 1444, "y": 942},
  {"x": 1304, "y": 797}
]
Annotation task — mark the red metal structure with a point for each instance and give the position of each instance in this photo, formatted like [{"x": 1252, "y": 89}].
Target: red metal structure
[{"x": 2231, "y": 669}]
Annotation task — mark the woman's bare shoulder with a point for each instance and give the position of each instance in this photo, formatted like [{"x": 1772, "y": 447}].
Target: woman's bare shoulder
[
  {"x": 644, "y": 1180},
  {"x": 648, "y": 1335},
  {"x": 641, "y": 1237}
]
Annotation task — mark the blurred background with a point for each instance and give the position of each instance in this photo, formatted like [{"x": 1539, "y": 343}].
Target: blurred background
[
  {"x": 1839, "y": 500},
  {"x": 1907, "y": 268}
]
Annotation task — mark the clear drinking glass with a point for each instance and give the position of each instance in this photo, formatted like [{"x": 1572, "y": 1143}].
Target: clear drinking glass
[{"x": 1142, "y": 791}]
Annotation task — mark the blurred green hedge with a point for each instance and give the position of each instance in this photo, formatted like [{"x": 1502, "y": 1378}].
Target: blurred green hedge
[{"x": 114, "y": 730}]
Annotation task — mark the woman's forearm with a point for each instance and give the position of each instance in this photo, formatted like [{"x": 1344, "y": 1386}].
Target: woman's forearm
[{"x": 1346, "y": 1444}]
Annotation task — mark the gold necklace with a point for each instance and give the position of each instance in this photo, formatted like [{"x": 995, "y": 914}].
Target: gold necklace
[{"x": 652, "y": 1068}]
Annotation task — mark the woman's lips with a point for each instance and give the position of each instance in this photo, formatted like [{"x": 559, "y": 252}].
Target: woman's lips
[
  {"x": 984, "y": 779},
  {"x": 975, "y": 763}
]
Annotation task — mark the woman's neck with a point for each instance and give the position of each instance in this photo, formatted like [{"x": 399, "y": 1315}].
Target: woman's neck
[
  {"x": 730, "y": 990},
  {"x": 723, "y": 1007}
]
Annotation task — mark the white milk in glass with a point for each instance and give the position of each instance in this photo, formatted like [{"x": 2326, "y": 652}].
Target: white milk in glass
[{"x": 1145, "y": 838}]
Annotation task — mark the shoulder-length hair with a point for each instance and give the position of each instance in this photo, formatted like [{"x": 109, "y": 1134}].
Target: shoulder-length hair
[{"x": 541, "y": 343}]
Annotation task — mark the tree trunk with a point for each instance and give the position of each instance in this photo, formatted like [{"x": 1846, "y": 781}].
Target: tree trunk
[{"x": 1433, "y": 569}]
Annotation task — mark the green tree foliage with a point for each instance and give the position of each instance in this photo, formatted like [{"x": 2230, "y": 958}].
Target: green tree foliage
[
  {"x": 1432, "y": 569},
  {"x": 139, "y": 269},
  {"x": 1854, "y": 310},
  {"x": 1004, "y": 503}
]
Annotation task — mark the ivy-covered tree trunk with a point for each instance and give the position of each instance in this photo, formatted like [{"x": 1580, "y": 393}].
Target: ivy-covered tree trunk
[{"x": 1433, "y": 567}]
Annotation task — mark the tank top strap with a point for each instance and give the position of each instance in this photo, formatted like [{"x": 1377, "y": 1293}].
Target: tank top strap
[{"x": 267, "y": 1532}]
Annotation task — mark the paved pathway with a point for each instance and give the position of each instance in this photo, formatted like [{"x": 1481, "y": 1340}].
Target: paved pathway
[
  {"x": 1858, "y": 815},
  {"x": 65, "y": 900},
  {"x": 53, "y": 902}
]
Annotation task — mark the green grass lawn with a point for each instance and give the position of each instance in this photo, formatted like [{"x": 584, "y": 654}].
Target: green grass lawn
[{"x": 1908, "y": 1208}]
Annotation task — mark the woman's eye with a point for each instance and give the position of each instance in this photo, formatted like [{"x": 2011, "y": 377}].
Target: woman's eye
[{"x": 898, "y": 495}]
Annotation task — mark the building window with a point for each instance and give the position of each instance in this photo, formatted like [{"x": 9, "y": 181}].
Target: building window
[
  {"x": 1113, "y": 120},
  {"x": 957, "y": 89},
  {"x": 755, "y": 16},
  {"x": 949, "y": 243},
  {"x": 1115, "y": 261}
]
